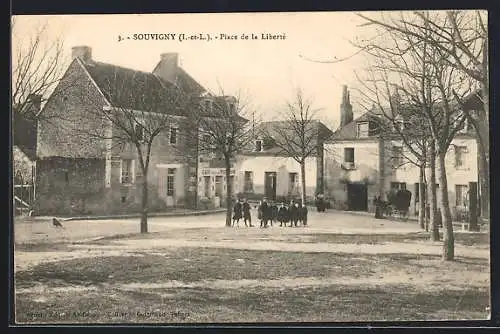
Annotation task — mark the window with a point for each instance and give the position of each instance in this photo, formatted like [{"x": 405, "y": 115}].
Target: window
[
  {"x": 400, "y": 125},
  {"x": 218, "y": 186},
  {"x": 139, "y": 132},
  {"x": 208, "y": 106},
  {"x": 66, "y": 176},
  {"x": 248, "y": 182},
  {"x": 461, "y": 192},
  {"x": 363, "y": 130},
  {"x": 397, "y": 156},
  {"x": 373, "y": 128},
  {"x": 460, "y": 152},
  {"x": 231, "y": 182},
  {"x": 464, "y": 127},
  {"x": 293, "y": 180},
  {"x": 258, "y": 146},
  {"x": 207, "y": 186},
  {"x": 349, "y": 155},
  {"x": 138, "y": 173},
  {"x": 173, "y": 135},
  {"x": 170, "y": 181},
  {"x": 398, "y": 185},
  {"x": 232, "y": 108},
  {"x": 206, "y": 140},
  {"x": 126, "y": 171}
]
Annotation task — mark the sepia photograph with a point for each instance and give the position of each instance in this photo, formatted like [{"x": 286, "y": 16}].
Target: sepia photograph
[{"x": 250, "y": 167}]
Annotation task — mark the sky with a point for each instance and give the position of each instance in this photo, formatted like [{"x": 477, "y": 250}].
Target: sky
[{"x": 264, "y": 72}]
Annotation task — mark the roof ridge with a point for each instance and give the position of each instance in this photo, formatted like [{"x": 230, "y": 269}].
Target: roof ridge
[{"x": 121, "y": 67}]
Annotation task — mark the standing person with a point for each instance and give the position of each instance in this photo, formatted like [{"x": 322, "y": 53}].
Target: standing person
[
  {"x": 259, "y": 212},
  {"x": 264, "y": 208},
  {"x": 246, "y": 213},
  {"x": 378, "y": 207},
  {"x": 299, "y": 213},
  {"x": 237, "y": 213},
  {"x": 281, "y": 211},
  {"x": 303, "y": 214},
  {"x": 274, "y": 213},
  {"x": 286, "y": 214},
  {"x": 268, "y": 214},
  {"x": 293, "y": 213}
]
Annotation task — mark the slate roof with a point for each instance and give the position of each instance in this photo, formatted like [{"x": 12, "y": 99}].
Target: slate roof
[
  {"x": 131, "y": 89},
  {"x": 273, "y": 128},
  {"x": 349, "y": 131},
  {"x": 185, "y": 81}
]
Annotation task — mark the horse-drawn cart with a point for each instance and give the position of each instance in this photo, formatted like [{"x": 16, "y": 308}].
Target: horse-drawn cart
[{"x": 397, "y": 204}]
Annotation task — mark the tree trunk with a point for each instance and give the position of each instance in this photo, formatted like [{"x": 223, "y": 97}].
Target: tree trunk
[
  {"x": 421, "y": 199},
  {"x": 448, "y": 239},
  {"x": 229, "y": 195},
  {"x": 303, "y": 181},
  {"x": 484, "y": 137},
  {"x": 484, "y": 154},
  {"x": 144, "y": 204},
  {"x": 432, "y": 195}
]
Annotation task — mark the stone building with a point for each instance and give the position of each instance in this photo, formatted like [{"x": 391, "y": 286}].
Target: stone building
[
  {"x": 77, "y": 173},
  {"x": 265, "y": 169},
  {"x": 360, "y": 163}
]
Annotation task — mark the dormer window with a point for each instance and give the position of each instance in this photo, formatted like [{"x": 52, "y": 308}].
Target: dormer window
[
  {"x": 363, "y": 129},
  {"x": 139, "y": 132},
  {"x": 258, "y": 145},
  {"x": 399, "y": 123},
  {"x": 466, "y": 126},
  {"x": 208, "y": 105}
]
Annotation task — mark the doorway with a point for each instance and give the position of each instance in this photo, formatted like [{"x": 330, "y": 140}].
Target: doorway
[
  {"x": 270, "y": 185},
  {"x": 357, "y": 196}
]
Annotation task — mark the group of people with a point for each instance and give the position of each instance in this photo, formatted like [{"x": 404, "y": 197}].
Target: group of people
[
  {"x": 268, "y": 213},
  {"x": 397, "y": 201}
]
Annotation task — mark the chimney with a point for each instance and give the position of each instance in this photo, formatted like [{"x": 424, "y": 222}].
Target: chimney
[
  {"x": 83, "y": 52},
  {"x": 346, "y": 114},
  {"x": 167, "y": 69}
]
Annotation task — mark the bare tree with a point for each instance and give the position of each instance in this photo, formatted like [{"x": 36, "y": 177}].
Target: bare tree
[
  {"x": 463, "y": 37},
  {"x": 38, "y": 64},
  {"x": 422, "y": 75},
  {"x": 143, "y": 109},
  {"x": 396, "y": 84},
  {"x": 298, "y": 135},
  {"x": 222, "y": 125}
]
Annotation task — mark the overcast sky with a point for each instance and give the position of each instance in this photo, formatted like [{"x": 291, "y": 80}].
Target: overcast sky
[{"x": 265, "y": 71}]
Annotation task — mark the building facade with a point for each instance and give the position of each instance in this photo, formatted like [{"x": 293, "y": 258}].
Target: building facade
[
  {"x": 360, "y": 164},
  {"x": 266, "y": 170},
  {"x": 78, "y": 173}
]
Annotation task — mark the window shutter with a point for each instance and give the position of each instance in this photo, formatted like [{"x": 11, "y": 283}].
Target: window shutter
[
  {"x": 132, "y": 171},
  {"x": 121, "y": 171}
]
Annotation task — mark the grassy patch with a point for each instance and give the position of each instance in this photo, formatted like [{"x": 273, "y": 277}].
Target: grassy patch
[
  {"x": 467, "y": 239},
  {"x": 196, "y": 264},
  {"x": 193, "y": 264},
  {"x": 213, "y": 234},
  {"x": 42, "y": 247},
  {"x": 326, "y": 304},
  {"x": 340, "y": 300}
]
